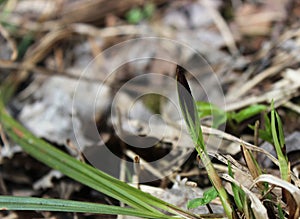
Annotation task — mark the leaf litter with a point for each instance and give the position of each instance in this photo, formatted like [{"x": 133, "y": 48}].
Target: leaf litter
[{"x": 58, "y": 56}]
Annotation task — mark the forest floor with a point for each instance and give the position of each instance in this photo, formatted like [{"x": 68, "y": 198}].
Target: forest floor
[{"x": 97, "y": 80}]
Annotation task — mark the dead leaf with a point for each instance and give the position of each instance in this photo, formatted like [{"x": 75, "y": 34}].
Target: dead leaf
[
  {"x": 259, "y": 210},
  {"x": 293, "y": 190}
]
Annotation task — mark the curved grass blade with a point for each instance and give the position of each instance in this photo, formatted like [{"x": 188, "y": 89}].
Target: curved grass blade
[
  {"x": 188, "y": 108},
  {"x": 278, "y": 139},
  {"x": 293, "y": 190},
  {"x": 237, "y": 191},
  {"x": 248, "y": 112},
  {"x": 43, "y": 204},
  {"x": 81, "y": 172},
  {"x": 189, "y": 111}
]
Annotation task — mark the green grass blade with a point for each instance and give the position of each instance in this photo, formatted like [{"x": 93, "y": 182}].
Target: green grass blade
[
  {"x": 236, "y": 190},
  {"x": 248, "y": 112},
  {"x": 42, "y": 204},
  {"x": 280, "y": 130},
  {"x": 267, "y": 124},
  {"x": 280, "y": 211},
  {"x": 278, "y": 139},
  {"x": 188, "y": 108},
  {"x": 71, "y": 167},
  {"x": 266, "y": 133},
  {"x": 189, "y": 111},
  {"x": 81, "y": 172},
  {"x": 204, "y": 109}
]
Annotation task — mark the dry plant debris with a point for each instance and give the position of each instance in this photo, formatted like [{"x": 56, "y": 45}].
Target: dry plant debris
[{"x": 251, "y": 46}]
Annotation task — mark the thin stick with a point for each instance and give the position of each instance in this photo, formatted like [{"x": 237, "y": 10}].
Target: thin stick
[
  {"x": 258, "y": 78},
  {"x": 137, "y": 170},
  {"x": 280, "y": 96},
  {"x": 292, "y": 106},
  {"x": 72, "y": 146},
  {"x": 221, "y": 134},
  {"x": 10, "y": 42},
  {"x": 256, "y": 136},
  {"x": 222, "y": 26},
  {"x": 145, "y": 164},
  {"x": 6, "y": 145}
]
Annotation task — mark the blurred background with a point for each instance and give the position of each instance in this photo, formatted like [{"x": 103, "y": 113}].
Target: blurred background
[{"x": 67, "y": 58}]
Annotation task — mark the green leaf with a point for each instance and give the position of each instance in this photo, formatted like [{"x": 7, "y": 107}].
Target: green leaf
[
  {"x": 265, "y": 135},
  {"x": 208, "y": 196},
  {"x": 137, "y": 14},
  {"x": 248, "y": 112},
  {"x": 207, "y": 109},
  {"x": 134, "y": 16},
  {"x": 220, "y": 116},
  {"x": 42, "y": 204}
]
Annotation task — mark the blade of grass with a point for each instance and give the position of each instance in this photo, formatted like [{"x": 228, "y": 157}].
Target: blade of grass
[
  {"x": 81, "y": 172},
  {"x": 284, "y": 165},
  {"x": 247, "y": 112},
  {"x": 280, "y": 211},
  {"x": 266, "y": 133},
  {"x": 235, "y": 190},
  {"x": 56, "y": 159},
  {"x": 259, "y": 210},
  {"x": 251, "y": 163},
  {"x": 188, "y": 108},
  {"x": 276, "y": 125},
  {"x": 255, "y": 172},
  {"x": 42, "y": 204}
]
